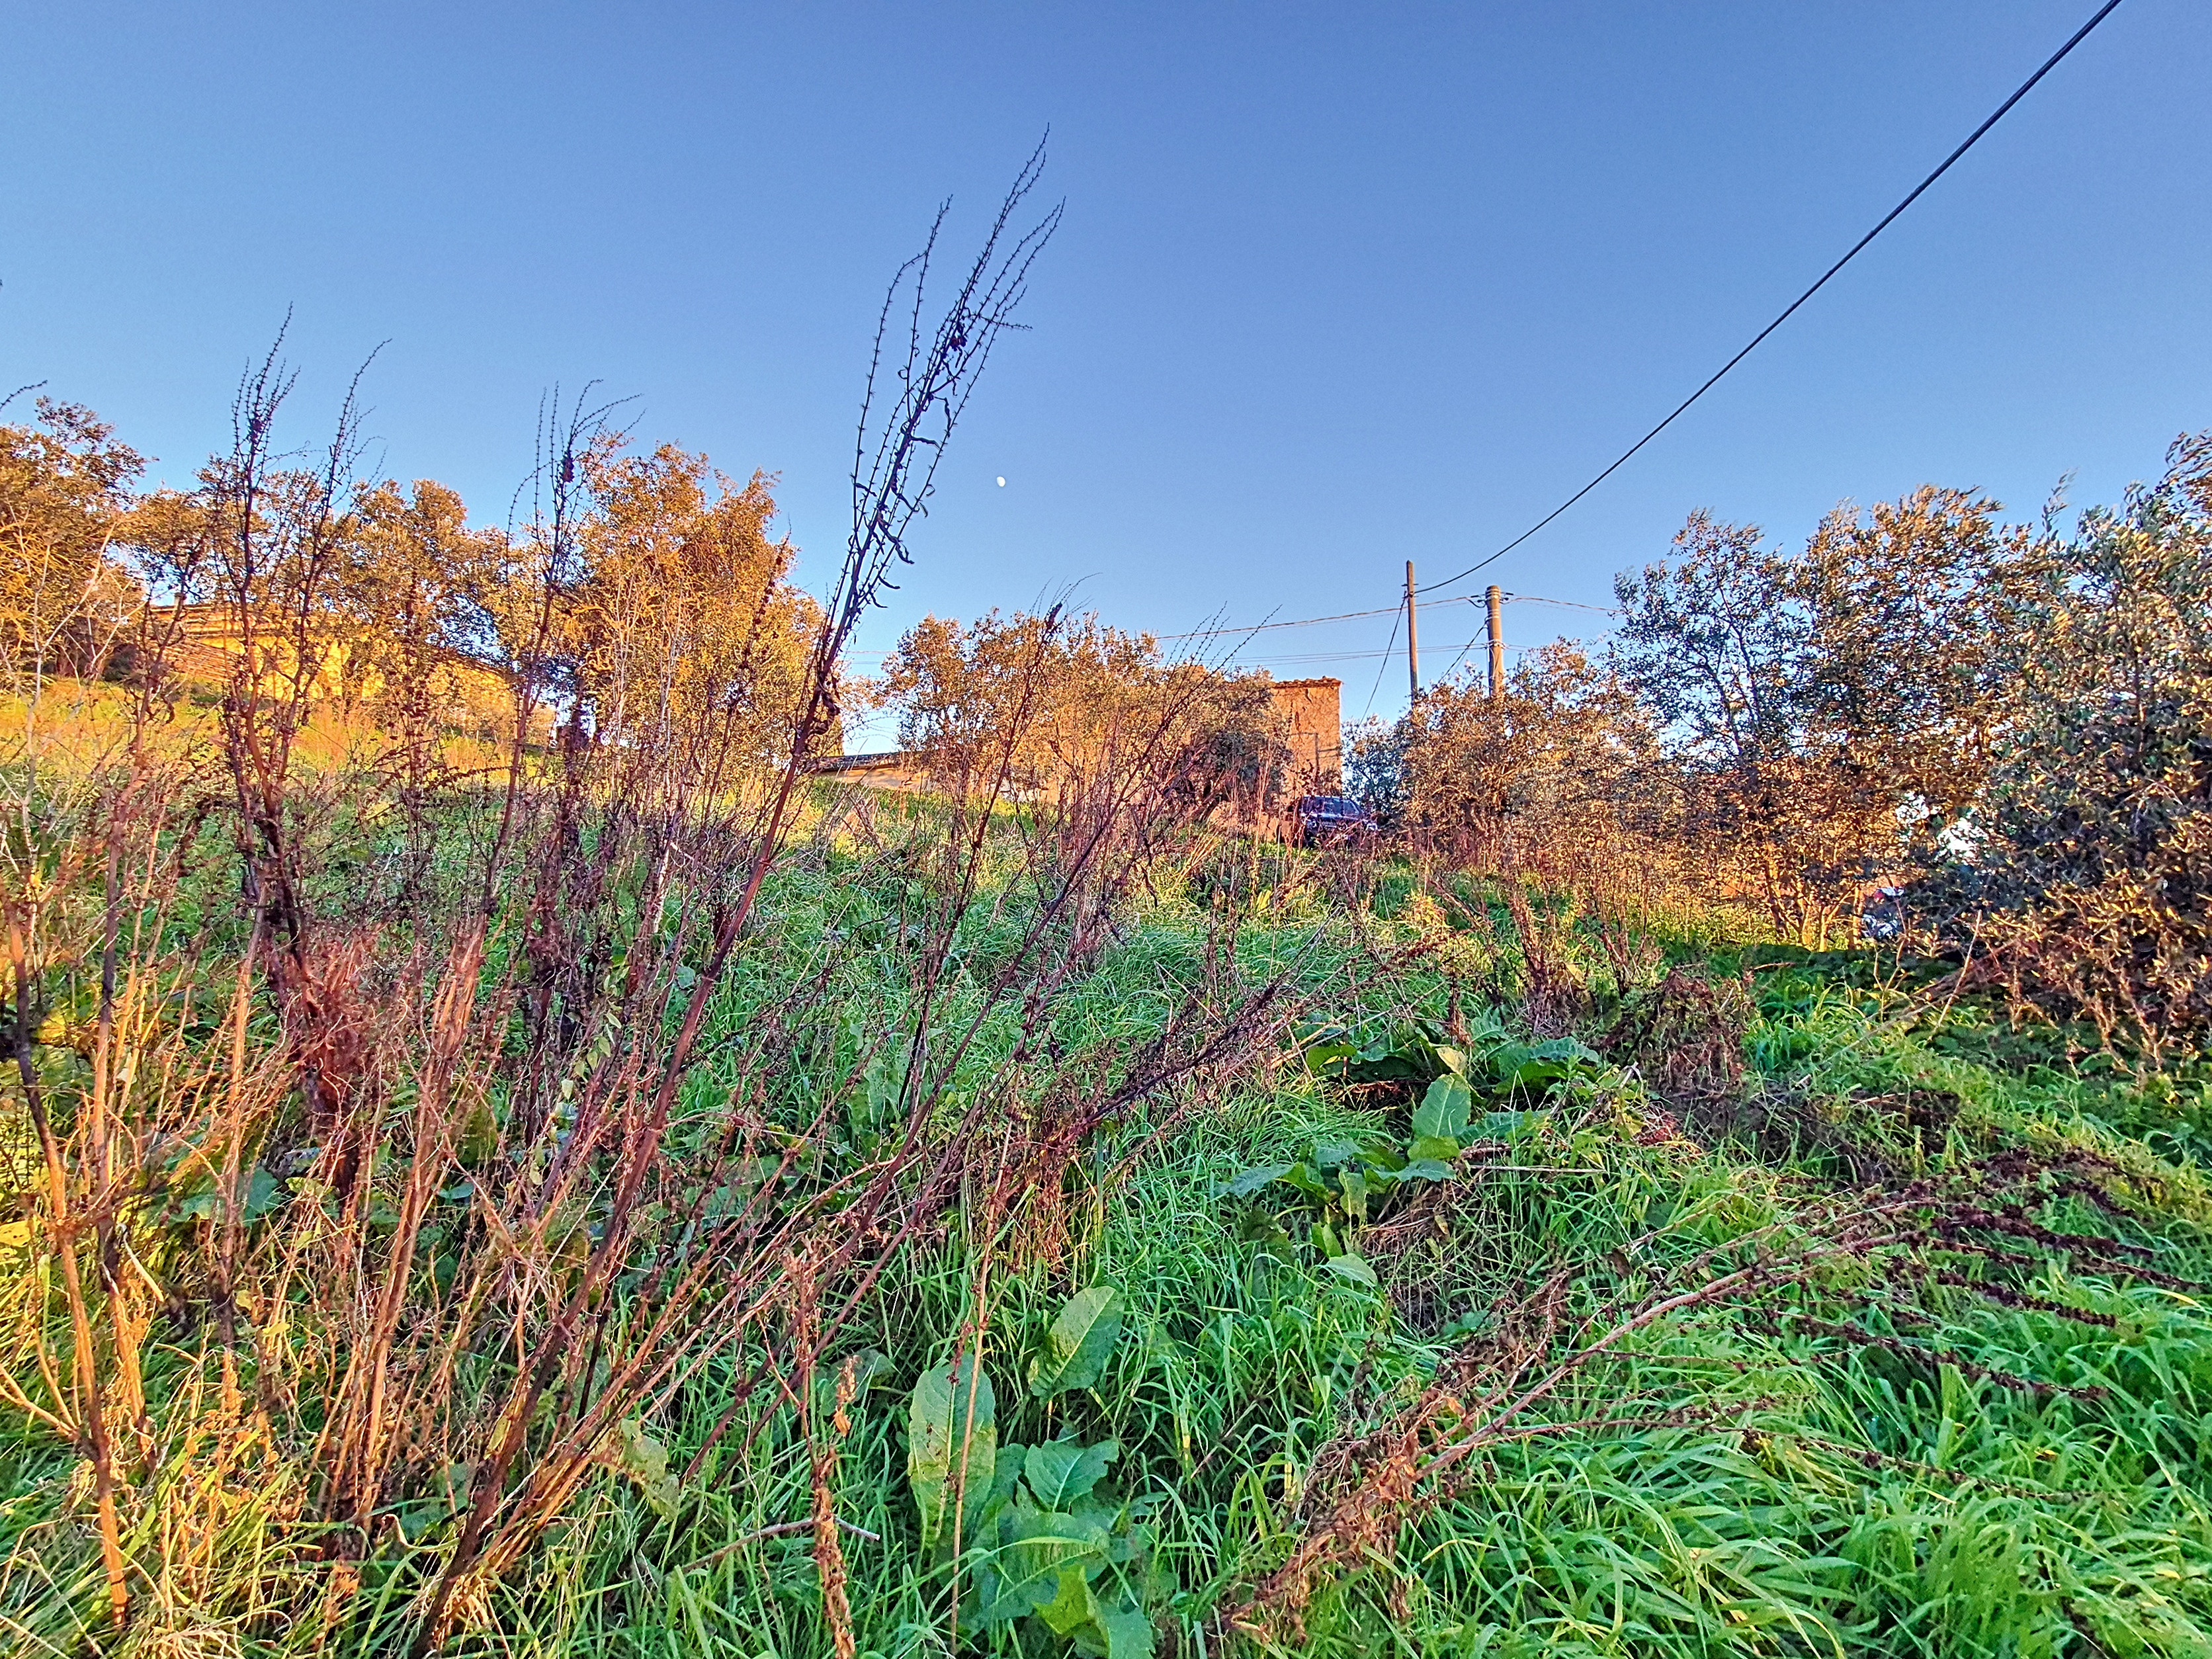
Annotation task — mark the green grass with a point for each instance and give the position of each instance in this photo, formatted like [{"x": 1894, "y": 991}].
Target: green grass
[
  {"x": 1237, "y": 1366},
  {"x": 1814, "y": 1496}
]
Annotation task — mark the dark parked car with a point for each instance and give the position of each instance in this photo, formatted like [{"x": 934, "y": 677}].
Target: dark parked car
[{"x": 1333, "y": 821}]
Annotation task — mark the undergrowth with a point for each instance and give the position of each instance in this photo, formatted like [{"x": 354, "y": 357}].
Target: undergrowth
[{"x": 2000, "y": 1451}]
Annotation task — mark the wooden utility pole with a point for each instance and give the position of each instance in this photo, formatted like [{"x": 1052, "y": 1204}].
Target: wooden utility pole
[
  {"x": 1496, "y": 642},
  {"x": 1412, "y": 639}
]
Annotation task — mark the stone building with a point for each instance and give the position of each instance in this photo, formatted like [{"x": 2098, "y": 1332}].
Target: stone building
[{"x": 1314, "y": 721}]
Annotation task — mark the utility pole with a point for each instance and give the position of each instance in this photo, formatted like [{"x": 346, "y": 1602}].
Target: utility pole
[
  {"x": 1496, "y": 642},
  {"x": 1412, "y": 639}
]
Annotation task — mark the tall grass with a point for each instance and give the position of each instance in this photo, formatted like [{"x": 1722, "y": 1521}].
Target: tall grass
[{"x": 1753, "y": 1474}]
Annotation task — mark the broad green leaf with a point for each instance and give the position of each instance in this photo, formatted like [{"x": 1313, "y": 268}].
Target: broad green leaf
[
  {"x": 1420, "y": 1169},
  {"x": 1325, "y": 1058},
  {"x": 946, "y": 1418},
  {"x": 1538, "y": 1066},
  {"x": 1107, "y": 1517},
  {"x": 1443, "y": 1111},
  {"x": 1301, "y": 1176},
  {"x": 1047, "y": 1469},
  {"x": 1076, "y": 1345},
  {"x": 1074, "y": 1606},
  {"x": 1128, "y": 1635},
  {"x": 1391, "y": 1066},
  {"x": 991, "y": 1604},
  {"x": 1354, "y": 1187},
  {"x": 1380, "y": 1155},
  {"x": 1352, "y": 1267},
  {"x": 263, "y": 1192},
  {"x": 1060, "y": 1472},
  {"x": 1566, "y": 1047},
  {"x": 1008, "y": 1477},
  {"x": 203, "y": 1202},
  {"x": 1040, "y": 1547},
  {"x": 1506, "y": 1057},
  {"x": 1245, "y": 1182},
  {"x": 1508, "y": 1126},
  {"x": 1257, "y": 1226},
  {"x": 1334, "y": 1154}
]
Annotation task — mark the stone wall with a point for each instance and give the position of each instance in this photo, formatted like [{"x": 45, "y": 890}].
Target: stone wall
[{"x": 1315, "y": 716}]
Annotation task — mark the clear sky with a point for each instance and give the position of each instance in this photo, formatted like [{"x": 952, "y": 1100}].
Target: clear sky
[{"x": 1338, "y": 286}]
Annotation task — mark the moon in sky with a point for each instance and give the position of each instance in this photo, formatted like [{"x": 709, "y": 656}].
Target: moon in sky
[{"x": 1002, "y": 484}]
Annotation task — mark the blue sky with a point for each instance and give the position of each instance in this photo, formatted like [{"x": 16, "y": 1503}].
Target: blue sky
[{"x": 1338, "y": 286}]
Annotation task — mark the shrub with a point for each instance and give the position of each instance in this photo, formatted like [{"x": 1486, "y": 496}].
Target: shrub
[{"x": 2085, "y": 874}]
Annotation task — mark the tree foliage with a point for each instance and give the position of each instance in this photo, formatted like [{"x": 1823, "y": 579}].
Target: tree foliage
[
  {"x": 1532, "y": 774},
  {"x": 1045, "y": 701},
  {"x": 1828, "y": 710},
  {"x": 684, "y": 610},
  {"x": 2012, "y": 722},
  {"x": 666, "y": 611},
  {"x": 65, "y": 485},
  {"x": 2085, "y": 873}
]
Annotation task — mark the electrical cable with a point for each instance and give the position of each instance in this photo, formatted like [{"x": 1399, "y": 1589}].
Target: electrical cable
[
  {"x": 1972, "y": 138},
  {"x": 1457, "y": 661},
  {"x": 1572, "y": 605},
  {"x": 1483, "y": 639},
  {"x": 1383, "y": 666},
  {"x": 1305, "y": 660},
  {"x": 1303, "y": 622},
  {"x": 1397, "y": 610}
]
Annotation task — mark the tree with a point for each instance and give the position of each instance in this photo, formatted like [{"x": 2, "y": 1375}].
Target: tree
[
  {"x": 1911, "y": 609},
  {"x": 65, "y": 484},
  {"x": 1529, "y": 777},
  {"x": 1031, "y": 702},
  {"x": 1375, "y": 768},
  {"x": 1716, "y": 640},
  {"x": 1032, "y": 695},
  {"x": 1831, "y": 709},
  {"x": 405, "y": 598},
  {"x": 683, "y": 627},
  {"x": 2085, "y": 871}
]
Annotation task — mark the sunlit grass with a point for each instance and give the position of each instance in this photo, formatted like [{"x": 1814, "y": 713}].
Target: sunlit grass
[{"x": 1855, "y": 1502}]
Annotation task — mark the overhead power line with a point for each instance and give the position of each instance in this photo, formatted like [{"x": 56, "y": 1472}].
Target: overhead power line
[
  {"x": 1397, "y": 623},
  {"x": 1302, "y": 622},
  {"x": 1397, "y": 610},
  {"x": 1572, "y": 605},
  {"x": 1369, "y": 656},
  {"x": 1972, "y": 138}
]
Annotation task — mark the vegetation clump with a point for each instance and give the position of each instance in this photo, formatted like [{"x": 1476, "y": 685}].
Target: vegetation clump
[{"x": 504, "y": 1152}]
